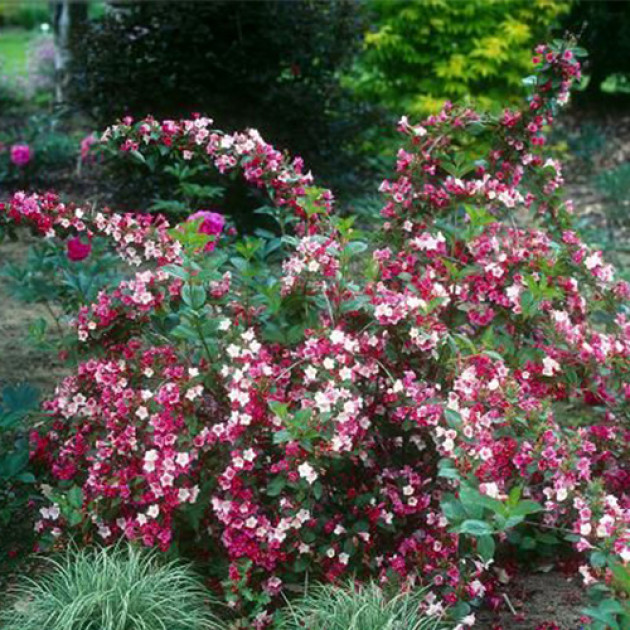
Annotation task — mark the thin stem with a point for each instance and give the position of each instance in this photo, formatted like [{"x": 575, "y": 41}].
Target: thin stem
[{"x": 49, "y": 308}]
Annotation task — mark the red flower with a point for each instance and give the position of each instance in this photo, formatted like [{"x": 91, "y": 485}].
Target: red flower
[{"x": 78, "y": 250}]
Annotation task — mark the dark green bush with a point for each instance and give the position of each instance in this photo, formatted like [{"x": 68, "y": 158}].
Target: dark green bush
[
  {"x": 271, "y": 65},
  {"x": 16, "y": 478},
  {"x": 605, "y": 33}
]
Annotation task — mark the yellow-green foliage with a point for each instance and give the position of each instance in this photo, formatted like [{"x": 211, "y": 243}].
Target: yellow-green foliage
[{"x": 420, "y": 53}]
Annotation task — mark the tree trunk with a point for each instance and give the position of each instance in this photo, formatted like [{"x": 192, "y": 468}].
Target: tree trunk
[{"x": 67, "y": 16}]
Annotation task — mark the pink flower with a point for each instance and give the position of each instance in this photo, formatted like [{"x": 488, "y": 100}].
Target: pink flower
[
  {"x": 78, "y": 250},
  {"x": 212, "y": 224},
  {"x": 20, "y": 154},
  {"x": 86, "y": 146}
]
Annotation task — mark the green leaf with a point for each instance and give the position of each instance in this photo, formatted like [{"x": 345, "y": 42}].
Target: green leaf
[
  {"x": 598, "y": 559},
  {"x": 471, "y": 496},
  {"x": 513, "y": 521},
  {"x": 318, "y": 490},
  {"x": 523, "y": 508},
  {"x": 453, "y": 417},
  {"x": 276, "y": 486},
  {"x": 138, "y": 156},
  {"x": 75, "y": 497},
  {"x": 453, "y": 511},
  {"x": 194, "y": 296},
  {"x": 486, "y": 547},
  {"x": 279, "y": 409},
  {"x": 176, "y": 271},
  {"x": 74, "y": 518},
  {"x": 475, "y": 528}
]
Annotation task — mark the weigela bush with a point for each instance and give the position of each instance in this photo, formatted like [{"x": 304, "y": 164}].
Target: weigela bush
[{"x": 301, "y": 405}]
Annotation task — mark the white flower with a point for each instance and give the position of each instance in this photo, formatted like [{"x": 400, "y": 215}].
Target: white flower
[
  {"x": 550, "y": 366},
  {"x": 51, "y": 513},
  {"x": 337, "y": 336},
  {"x": 150, "y": 457},
  {"x": 194, "y": 392},
  {"x": 489, "y": 489},
  {"x": 307, "y": 472},
  {"x": 594, "y": 260},
  {"x": 153, "y": 511},
  {"x": 182, "y": 459}
]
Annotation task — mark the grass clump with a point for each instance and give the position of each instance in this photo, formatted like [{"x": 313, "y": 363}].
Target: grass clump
[
  {"x": 359, "y": 607},
  {"x": 111, "y": 589}
]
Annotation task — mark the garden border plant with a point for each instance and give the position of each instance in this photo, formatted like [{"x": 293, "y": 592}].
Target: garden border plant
[{"x": 392, "y": 414}]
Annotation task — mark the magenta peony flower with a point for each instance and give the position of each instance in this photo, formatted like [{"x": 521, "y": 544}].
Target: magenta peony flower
[
  {"x": 212, "y": 224},
  {"x": 20, "y": 154},
  {"x": 78, "y": 250}
]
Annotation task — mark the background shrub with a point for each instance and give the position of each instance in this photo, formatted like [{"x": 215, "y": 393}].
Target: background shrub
[
  {"x": 418, "y": 54},
  {"x": 269, "y": 65},
  {"x": 605, "y": 33},
  {"x": 24, "y": 14}
]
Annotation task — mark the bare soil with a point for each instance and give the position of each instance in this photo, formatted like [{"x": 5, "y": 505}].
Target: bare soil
[
  {"x": 535, "y": 598},
  {"x": 19, "y": 360}
]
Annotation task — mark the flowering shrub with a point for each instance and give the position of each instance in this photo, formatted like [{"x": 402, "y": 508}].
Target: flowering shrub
[{"x": 296, "y": 405}]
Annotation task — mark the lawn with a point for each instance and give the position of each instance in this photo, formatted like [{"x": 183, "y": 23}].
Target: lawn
[{"x": 14, "y": 44}]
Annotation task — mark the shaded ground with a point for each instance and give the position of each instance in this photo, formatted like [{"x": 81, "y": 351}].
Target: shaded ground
[
  {"x": 538, "y": 598},
  {"x": 19, "y": 360}
]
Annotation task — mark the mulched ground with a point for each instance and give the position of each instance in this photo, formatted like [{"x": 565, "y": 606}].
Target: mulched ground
[{"x": 532, "y": 599}]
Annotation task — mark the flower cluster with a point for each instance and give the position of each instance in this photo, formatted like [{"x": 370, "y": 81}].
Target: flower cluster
[
  {"x": 133, "y": 410},
  {"x": 261, "y": 164},
  {"x": 129, "y": 303},
  {"x": 138, "y": 238}
]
